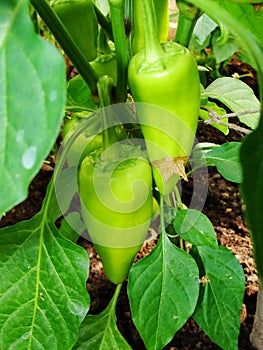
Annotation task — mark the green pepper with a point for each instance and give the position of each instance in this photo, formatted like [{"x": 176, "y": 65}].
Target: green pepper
[
  {"x": 161, "y": 8},
  {"x": 165, "y": 76},
  {"x": 86, "y": 142},
  {"x": 116, "y": 201},
  {"x": 80, "y": 21}
]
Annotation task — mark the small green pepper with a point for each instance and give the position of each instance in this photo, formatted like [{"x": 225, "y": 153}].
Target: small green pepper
[
  {"x": 165, "y": 76},
  {"x": 116, "y": 200},
  {"x": 86, "y": 142},
  {"x": 79, "y": 19}
]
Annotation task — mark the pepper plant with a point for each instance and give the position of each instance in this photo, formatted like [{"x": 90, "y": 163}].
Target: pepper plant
[{"x": 128, "y": 122}]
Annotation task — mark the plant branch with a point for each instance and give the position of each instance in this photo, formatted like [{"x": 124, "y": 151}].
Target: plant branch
[
  {"x": 121, "y": 48},
  {"x": 67, "y": 44},
  {"x": 215, "y": 118}
]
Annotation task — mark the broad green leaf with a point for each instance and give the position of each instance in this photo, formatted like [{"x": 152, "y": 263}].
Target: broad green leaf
[
  {"x": 222, "y": 290},
  {"x": 195, "y": 227},
  {"x": 163, "y": 290},
  {"x": 247, "y": 16},
  {"x": 226, "y": 159},
  {"x": 100, "y": 331},
  {"x": 252, "y": 189},
  {"x": 43, "y": 297},
  {"x": 32, "y": 97},
  {"x": 79, "y": 96},
  {"x": 247, "y": 1},
  {"x": 219, "y": 111},
  {"x": 237, "y": 96}
]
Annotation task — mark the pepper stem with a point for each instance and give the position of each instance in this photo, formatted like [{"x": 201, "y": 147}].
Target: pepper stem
[
  {"x": 153, "y": 49},
  {"x": 105, "y": 86}
]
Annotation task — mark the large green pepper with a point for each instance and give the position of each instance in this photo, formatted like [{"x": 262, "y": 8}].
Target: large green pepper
[
  {"x": 117, "y": 206},
  {"x": 162, "y": 20},
  {"x": 165, "y": 76},
  {"x": 79, "y": 19}
]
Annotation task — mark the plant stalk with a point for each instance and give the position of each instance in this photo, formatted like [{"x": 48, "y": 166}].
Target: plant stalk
[
  {"x": 121, "y": 48},
  {"x": 67, "y": 44},
  {"x": 188, "y": 15}
]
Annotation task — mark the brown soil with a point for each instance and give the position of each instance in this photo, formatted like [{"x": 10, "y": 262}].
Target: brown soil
[{"x": 223, "y": 207}]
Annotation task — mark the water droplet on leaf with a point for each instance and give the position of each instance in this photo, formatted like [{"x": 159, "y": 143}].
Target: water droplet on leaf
[
  {"x": 29, "y": 157},
  {"x": 26, "y": 335},
  {"x": 20, "y": 136},
  {"x": 76, "y": 307}
]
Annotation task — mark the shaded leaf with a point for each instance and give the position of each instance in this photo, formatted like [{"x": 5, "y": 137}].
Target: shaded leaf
[
  {"x": 79, "y": 95},
  {"x": 252, "y": 189},
  {"x": 101, "y": 332}
]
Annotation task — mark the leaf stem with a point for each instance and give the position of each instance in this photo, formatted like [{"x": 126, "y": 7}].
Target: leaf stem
[
  {"x": 115, "y": 296},
  {"x": 162, "y": 223},
  {"x": 67, "y": 44},
  {"x": 121, "y": 48}
]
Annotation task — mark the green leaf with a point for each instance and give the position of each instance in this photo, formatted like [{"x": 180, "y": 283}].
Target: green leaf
[
  {"x": 219, "y": 111},
  {"x": 195, "y": 227},
  {"x": 252, "y": 149},
  {"x": 247, "y": 16},
  {"x": 79, "y": 95},
  {"x": 32, "y": 97},
  {"x": 198, "y": 155},
  {"x": 222, "y": 290},
  {"x": 223, "y": 52},
  {"x": 202, "y": 32},
  {"x": 163, "y": 290},
  {"x": 100, "y": 331},
  {"x": 43, "y": 296},
  {"x": 68, "y": 222},
  {"x": 252, "y": 189},
  {"x": 226, "y": 159},
  {"x": 237, "y": 96}
]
